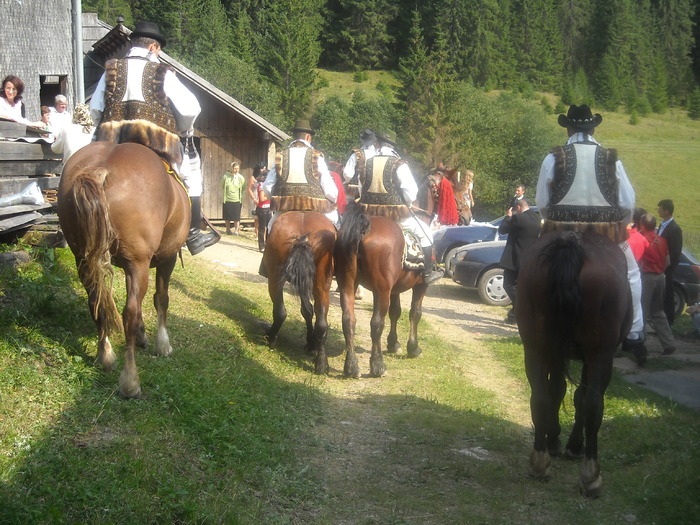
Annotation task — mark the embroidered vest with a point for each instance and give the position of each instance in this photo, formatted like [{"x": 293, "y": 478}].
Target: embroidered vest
[
  {"x": 360, "y": 167},
  {"x": 584, "y": 191},
  {"x": 298, "y": 185},
  {"x": 380, "y": 188},
  {"x": 150, "y": 122}
]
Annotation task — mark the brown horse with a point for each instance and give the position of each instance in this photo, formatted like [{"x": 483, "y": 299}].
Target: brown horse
[
  {"x": 299, "y": 249},
  {"x": 118, "y": 205},
  {"x": 369, "y": 252},
  {"x": 574, "y": 302}
]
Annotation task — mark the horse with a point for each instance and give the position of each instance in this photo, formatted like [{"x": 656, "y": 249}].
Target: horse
[
  {"x": 369, "y": 252},
  {"x": 574, "y": 302},
  {"x": 299, "y": 249},
  {"x": 118, "y": 205}
]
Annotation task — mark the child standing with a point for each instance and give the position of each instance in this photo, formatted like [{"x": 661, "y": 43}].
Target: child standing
[{"x": 232, "y": 184}]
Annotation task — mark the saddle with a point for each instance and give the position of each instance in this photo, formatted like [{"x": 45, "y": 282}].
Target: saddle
[{"x": 412, "y": 258}]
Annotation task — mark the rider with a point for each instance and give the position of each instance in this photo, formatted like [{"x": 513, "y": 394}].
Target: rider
[
  {"x": 139, "y": 99},
  {"x": 583, "y": 186},
  {"x": 387, "y": 188},
  {"x": 357, "y": 162},
  {"x": 300, "y": 180}
]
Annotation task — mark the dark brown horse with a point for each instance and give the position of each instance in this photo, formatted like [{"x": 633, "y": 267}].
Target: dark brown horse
[
  {"x": 369, "y": 252},
  {"x": 573, "y": 303},
  {"x": 118, "y": 206},
  {"x": 299, "y": 250}
]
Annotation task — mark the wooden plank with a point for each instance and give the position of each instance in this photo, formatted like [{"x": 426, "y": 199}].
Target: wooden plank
[
  {"x": 6, "y": 211},
  {"x": 12, "y": 185},
  {"x": 26, "y": 151},
  {"x": 21, "y": 168},
  {"x": 18, "y": 221},
  {"x": 9, "y": 128}
]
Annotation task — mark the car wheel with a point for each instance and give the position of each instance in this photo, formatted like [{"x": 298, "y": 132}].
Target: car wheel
[
  {"x": 448, "y": 260},
  {"x": 678, "y": 300},
  {"x": 491, "y": 288}
]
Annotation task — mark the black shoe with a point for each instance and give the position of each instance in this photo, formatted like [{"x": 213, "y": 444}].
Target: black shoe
[
  {"x": 637, "y": 348},
  {"x": 197, "y": 240},
  {"x": 430, "y": 276}
]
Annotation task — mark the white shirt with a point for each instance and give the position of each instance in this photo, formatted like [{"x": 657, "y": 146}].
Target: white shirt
[
  {"x": 626, "y": 196},
  {"x": 349, "y": 169},
  {"x": 70, "y": 139},
  {"x": 186, "y": 106},
  {"x": 663, "y": 225},
  {"x": 330, "y": 190},
  {"x": 58, "y": 120},
  {"x": 12, "y": 112}
]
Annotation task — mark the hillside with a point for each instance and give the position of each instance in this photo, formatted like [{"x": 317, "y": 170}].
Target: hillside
[{"x": 661, "y": 154}]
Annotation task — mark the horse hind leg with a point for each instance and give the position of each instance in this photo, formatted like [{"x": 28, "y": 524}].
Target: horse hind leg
[
  {"x": 279, "y": 311},
  {"x": 161, "y": 301},
  {"x": 377, "y": 368},
  {"x": 392, "y": 340},
  {"x": 412, "y": 347},
  {"x": 136, "y": 286}
]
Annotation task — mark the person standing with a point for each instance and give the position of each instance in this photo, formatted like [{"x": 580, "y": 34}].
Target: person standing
[
  {"x": 232, "y": 183},
  {"x": 653, "y": 264},
  {"x": 672, "y": 233},
  {"x": 522, "y": 225},
  {"x": 582, "y": 186},
  {"x": 139, "y": 99},
  {"x": 300, "y": 180},
  {"x": 519, "y": 194},
  {"x": 262, "y": 210},
  {"x": 253, "y": 184}
]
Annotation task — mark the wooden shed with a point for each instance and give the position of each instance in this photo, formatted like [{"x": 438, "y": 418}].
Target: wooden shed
[{"x": 225, "y": 130}]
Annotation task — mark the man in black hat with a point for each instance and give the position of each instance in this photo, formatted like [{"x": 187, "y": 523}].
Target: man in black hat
[
  {"x": 357, "y": 162},
  {"x": 583, "y": 185},
  {"x": 139, "y": 99},
  {"x": 300, "y": 180}
]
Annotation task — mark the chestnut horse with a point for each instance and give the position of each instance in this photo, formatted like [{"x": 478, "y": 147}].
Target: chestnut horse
[
  {"x": 574, "y": 302},
  {"x": 369, "y": 252},
  {"x": 299, "y": 249},
  {"x": 118, "y": 205}
]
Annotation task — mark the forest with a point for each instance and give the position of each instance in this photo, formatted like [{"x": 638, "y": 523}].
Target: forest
[{"x": 463, "y": 68}]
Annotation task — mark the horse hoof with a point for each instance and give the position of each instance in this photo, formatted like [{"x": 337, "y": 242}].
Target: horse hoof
[
  {"x": 591, "y": 480},
  {"x": 377, "y": 368},
  {"x": 415, "y": 352},
  {"x": 540, "y": 462},
  {"x": 321, "y": 367},
  {"x": 394, "y": 349}
]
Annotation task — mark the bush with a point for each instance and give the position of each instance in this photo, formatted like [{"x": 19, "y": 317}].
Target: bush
[
  {"x": 322, "y": 82},
  {"x": 546, "y": 105},
  {"x": 360, "y": 76},
  {"x": 634, "y": 117}
]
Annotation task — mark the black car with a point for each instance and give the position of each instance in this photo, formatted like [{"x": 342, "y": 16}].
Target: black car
[
  {"x": 476, "y": 266},
  {"x": 449, "y": 240}
]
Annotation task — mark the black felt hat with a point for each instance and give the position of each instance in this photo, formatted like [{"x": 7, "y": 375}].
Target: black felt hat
[
  {"x": 389, "y": 136},
  {"x": 580, "y": 117},
  {"x": 149, "y": 30}
]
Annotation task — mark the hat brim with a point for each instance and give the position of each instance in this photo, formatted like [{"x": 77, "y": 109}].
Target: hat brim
[
  {"x": 387, "y": 140},
  {"x": 303, "y": 130},
  {"x": 565, "y": 122}
]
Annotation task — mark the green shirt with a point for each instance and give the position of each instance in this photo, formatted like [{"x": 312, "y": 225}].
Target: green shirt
[{"x": 233, "y": 187}]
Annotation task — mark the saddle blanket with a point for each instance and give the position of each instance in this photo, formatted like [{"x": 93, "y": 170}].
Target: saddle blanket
[{"x": 412, "y": 253}]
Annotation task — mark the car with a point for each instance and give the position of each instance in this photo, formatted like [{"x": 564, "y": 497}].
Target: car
[
  {"x": 686, "y": 282},
  {"x": 476, "y": 266},
  {"x": 449, "y": 240}
]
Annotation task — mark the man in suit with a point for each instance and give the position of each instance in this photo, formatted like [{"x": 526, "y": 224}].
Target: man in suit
[
  {"x": 519, "y": 194},
  {"x": 522, "y": 226},
  {"x": 673, "y": 234}
]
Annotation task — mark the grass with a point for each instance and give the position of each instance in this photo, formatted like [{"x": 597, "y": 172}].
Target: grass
[{"x": 230, "y": 431}]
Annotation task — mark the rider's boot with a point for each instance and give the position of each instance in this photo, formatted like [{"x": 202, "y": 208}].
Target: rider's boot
[
  {"x": 430, "y": 273},
  {"x": 197, "y": 240}
]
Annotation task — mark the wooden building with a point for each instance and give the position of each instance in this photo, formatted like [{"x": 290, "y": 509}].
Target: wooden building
[{"x": 225, "y": 130}]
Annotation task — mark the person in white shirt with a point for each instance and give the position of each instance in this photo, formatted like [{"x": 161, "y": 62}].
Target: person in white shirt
[
  {"x": 583, "y": 186},
  {"x": 357, "y": 161},
  {"x": 139, "y": 99},
  {"x": 300, "y": 180},
  {"x": 59, "y": 115},
  {"x": 77, "y": 134}
]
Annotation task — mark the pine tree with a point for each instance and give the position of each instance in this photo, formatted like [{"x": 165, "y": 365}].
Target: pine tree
[
  {"x": 607, "y": 86},
  {"x": 674, "y": 38},
  {"x": 658, "y": 91}
]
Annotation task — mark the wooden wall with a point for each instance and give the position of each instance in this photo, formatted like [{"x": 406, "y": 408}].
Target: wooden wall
[{"x": 226, "y": 136}]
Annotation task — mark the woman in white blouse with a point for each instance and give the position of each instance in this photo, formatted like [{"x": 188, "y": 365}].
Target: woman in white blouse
[{"x": 11, "y": 106}]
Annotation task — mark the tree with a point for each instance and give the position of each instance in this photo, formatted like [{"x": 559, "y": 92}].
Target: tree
[
  {"x": 694, "y": 106},
  {"x": 290, "y": 56},
  {"x": 109, "y": 10},
  {"x": 607, "y": 86},
  {"x": 359, "y": 38}
]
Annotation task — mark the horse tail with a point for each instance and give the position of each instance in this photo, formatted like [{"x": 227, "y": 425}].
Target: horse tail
[
  {"x": 564, "y": 257},
  {"x": 300, "y": 270},
  {"x": 353, "y": 228},
  {"x": 97, "y": 234}
]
